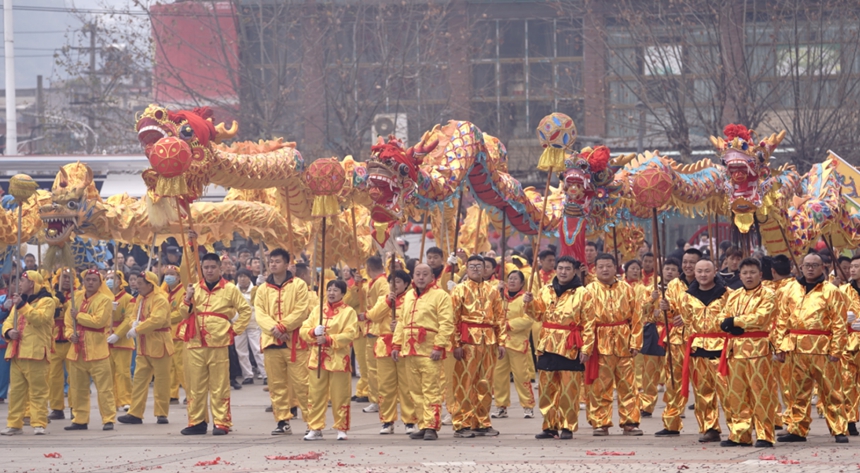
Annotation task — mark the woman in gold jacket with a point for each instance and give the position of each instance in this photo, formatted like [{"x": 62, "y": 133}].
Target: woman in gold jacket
[
  {"x": 151, "y": 327},
  {"x": 121, "y": 347},
  {"x": 331, "y": 361},
  {"x": 518, "y": 358}
]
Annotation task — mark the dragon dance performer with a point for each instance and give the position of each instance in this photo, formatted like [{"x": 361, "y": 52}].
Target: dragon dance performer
[
  {"x": 120, "y": 346},
  {"x": 28, "y": 346},
  {"x": 546, "y": 273},
  {"x": 62, "y": 284},
  {"x": 444, "y": 275},
  {"x": 479, "y": 340},
  {"x": 207, "y": 310},
  {"x": 748, "y": 315},
  {"x": 331, "y": 382},
  {"x": 563, "y": 308},
  {"x": 617, "y": 339},
  {"x": 700, "y": 314},
  {"x": 590, "y": 266},
  {"x": 89, "y": 356},
  {"x": 393, "y": 377},
  {"x": 377, "y": 288},
  {"x": 299, "y": 374},
  {"x": 673, "y": 303},
  {"x": 281, "y": 306},
  {"x": 851, "y": 356},
  {"x": 811, "y": 335},
  {"x": 423, "y": 335},
  {"x": 781, "y": 272},
  {"x": 356, "y": 297},
  {"x": 649, "y": 362},
  {"x": 151, "y": 327},
  {"x": 517, "y": 359},
  {"x": 175, "y": 295}
]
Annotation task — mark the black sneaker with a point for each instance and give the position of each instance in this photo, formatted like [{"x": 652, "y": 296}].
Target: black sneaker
[
  {"x": 419, "y": 434},
  {"x": 763, "y": 444},
  {"x": 108, "y": 426},
  {"x": 294, "y": 411},
  {"x": 58, "y": 414},
  {"x": 174, "y": 400},
  {"x": 129, "y": 419},
  {"x": 645, "y": 414},
  {"x": 199, "y": 429},
  {"x": 353, "y": 398},
  {"x": 791, "y": 438},
  {"x": 841, "y": 439},
  {"x": 691, "y": 407},
  {"x": 547, "y": 434},
  {"x": 777, "y": 427},
  {"x": 248, "y": 381},
  {"x": 852, "y": 429},
  {"x": 270, "y": 409},
  {"x": 712, "y": 435},
  {"x": 566, "y": 434},
  {"x": 486, "y": 432},
  {"x": 219, "y": 431},
  {"x": 430, "y": 434},
  {"x": 732, "y": 443},
  {"x": 362, "y": 399},
  {"x": 74, "y": 426},
  {"x": 283, "y": 428},
  {"x": 464, "y": 434},
  {"x": 667, "y": 433},
  {"x": 235, "y": 385},
  {"x": 265, "y": 381},
  {"x": 161, "y": 420}
]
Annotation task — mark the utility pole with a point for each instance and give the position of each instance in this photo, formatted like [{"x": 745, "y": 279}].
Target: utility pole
[
  {"x": 11, "y": 115},
  {"x": 91, "y": 115},
  {"x": 40, "y": 113}
]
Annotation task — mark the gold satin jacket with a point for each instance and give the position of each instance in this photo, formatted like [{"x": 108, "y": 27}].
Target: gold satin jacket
[
  {"x": 208, "y": 320},
  {"x": 852, "y": 303},
  {"x": 427, "y": 322},
  {"x": 701, "y": 319},
  {"x": 822, "y": 309},
  {"x": 560, "y": 316},
  {"x": 93, "y": 321},
  {"x": 341, "y": 328},
  {"x": 153, "y": 332},
  {"x": 122, "y": 319},
  {"x": 616, "y": 304},
  {"x": 754, "y": 311},
  {"x": 676, "y": 297},
  {"x": 478, "y": 316}
]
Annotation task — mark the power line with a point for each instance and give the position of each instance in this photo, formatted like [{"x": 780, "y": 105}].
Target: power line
[{"x": 37, "y": 32}]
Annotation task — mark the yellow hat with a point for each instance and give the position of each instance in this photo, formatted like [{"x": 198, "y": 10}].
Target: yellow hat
[{"x": 37, "y": 279}]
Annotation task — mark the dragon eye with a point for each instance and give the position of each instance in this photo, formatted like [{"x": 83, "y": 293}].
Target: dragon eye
[
  {"x": 186, "y": 132},
  {"x": 159, "y": 115},
  {"x": 404, "y": 170},
  {"x": 72, "y": 205}
]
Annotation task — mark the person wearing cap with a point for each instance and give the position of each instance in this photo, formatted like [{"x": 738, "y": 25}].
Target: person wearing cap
[
  {"x": 121, "y": 348},
  {"x": 209, "y": 311},
  {"x": 62, "y": 285},
  {"x": 280, "y": 308},
  {"x": 86, "y": 322},
  {"x": 151, "y": 328},
  {"x": 29, "y": 343},
  {"x": 175, "y": 292}
]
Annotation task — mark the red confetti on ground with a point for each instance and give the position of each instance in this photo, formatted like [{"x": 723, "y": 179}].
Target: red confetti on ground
[
  {"x": 216, "y": 461},
  {"x": 610, "y": 454},
  {"x": 767, "y": 457},
  {"x": 53, "y": 455},
  {"x": 301, "y": 456},
  {"x": 788, "y": 461}
]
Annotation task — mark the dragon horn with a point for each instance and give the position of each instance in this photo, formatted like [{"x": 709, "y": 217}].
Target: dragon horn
[{"x": 224, "y": 133}]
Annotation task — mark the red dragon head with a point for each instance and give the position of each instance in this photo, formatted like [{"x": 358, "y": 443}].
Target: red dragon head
[
  {"x": 392, "y": 176},
  {"x": 747, "y": 162}
]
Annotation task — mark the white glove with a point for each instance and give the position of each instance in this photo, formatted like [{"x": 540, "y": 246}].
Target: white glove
[
  {"x": 319, "y": 331},
  {"x": 452, "y": 259},
  {"x": 856, "y": 326},
  {"x": 135, "y": 324},
  {"x": 115, "y": 304},
  {"x": 260, "y": 279},
  {"x": 451, "y": 285},
  {"x": 131, "y": 333},
  {"x": 113, "y": 338},
  {"x": 851, "y": 317}
]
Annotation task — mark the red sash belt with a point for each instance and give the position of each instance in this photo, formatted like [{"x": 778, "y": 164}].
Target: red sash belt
[
  {"x": 191, "y": 326},
  {"x": 81, "y": 330},
  {"x": 388, "y": 340},
  {"x": 116, "y": 324},
  {"x": 296, "y": 343},
  {"x": 61, "y": 333},
  {"x": 413, "y": 340},
  {"x": 465, "y": 326},
  {"x": 574, "y": 336},
  {"x": 663, "y": 337},
  {"x": 592, "y": 366},
  {"x": 724, "y": 364},
  {"x": 685, "y": 378}
]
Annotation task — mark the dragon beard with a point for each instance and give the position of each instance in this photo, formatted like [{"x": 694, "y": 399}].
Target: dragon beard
[{"x": 57, "y": 256}]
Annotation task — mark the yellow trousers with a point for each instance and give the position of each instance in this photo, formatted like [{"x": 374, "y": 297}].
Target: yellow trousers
[
  {"x": 807, "y": 371},
  {"x": 424, "y": 376},
  {"x": 80, "y": 373},
  {"x": 177, "y": 370},
  {"x": 675, "y": 402},
  {"x": 120, "y": 365},
  {"x": 277, "y": 361},
  {"x": 783, "y": 377},
  {"x": 369, "y": 371},
  {"x": 652, "y": 368},
  {"x": 362, "y": 387},
  {"x": 28, "y": 384},
  {"x": 473, "y": 386},
  {"x": 559, "y": 399},
  {"x": 208, "y": 373},
  {"x": 393, "y": 379},
  {"x": 709, "y": 388},
  {"x": 522, "y": 366},
  {"x": 145, "y": 368},
  {"x": 616, "y": 374},
  {"x": 851, "y": 384},
  {"x": 751, "y": 399},
  {"x": 446, "y": 378},
  {"x": 638, "y": 366},
  {"x": 334, "y": 386},
  {"x": 56, "y": 376},
  {"x": 298, "y": 374}
]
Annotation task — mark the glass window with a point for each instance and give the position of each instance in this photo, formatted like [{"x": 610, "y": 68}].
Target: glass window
[
  {"x": 540, "y": 80},
  {"x": 483, "y": 80},
  {"x": 540, "y": 38},
  {"x": 663, "y": 60},
  {"x": 568, "y": 37},
  {"x": 487, "y": 48},
  {"x": 513, "y": 80},
  {"x": 512, "y": 39},
  {"x": 569, "y": 79}
]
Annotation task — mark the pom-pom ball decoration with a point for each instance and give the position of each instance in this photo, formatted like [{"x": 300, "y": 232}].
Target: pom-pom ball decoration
[
  {"x": 326, "y": 178},
  {"x": 170, "y": 157},
  {"x": 557, "y": 134},
  {"x": 652, "y": 187}
]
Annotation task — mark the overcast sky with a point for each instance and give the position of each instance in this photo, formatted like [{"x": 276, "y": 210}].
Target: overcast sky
[{"x": 39, "y": 33}]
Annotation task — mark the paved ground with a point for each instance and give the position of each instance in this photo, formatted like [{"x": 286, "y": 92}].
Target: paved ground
[{"x": 161, "y": 447}]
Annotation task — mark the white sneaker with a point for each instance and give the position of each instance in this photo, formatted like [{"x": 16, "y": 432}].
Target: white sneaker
[
  {"x": 528, "y": 413},
  {"x": 11, "y": 431},
  {"x": 446, "y": 419},
  {"x": 40, "y": 431},
  {"x": 500, "y": 413},
  {"x": 410, "y": 428},
  {"x": 341, "y": 435},
  {"x": 126, "y": 407},
  {"x": 314, "y": 435},
  {"x": 387, "y": 428},
  {"x": 373, "y": 407}
]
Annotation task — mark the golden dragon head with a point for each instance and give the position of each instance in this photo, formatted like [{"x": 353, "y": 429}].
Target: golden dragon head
[
  {"x": 73, "y": 202},
  {"x": 392, "y": 175}
]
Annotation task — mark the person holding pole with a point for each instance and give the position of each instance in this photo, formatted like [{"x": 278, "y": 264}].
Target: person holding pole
[{"x": 120, "y": 346}]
